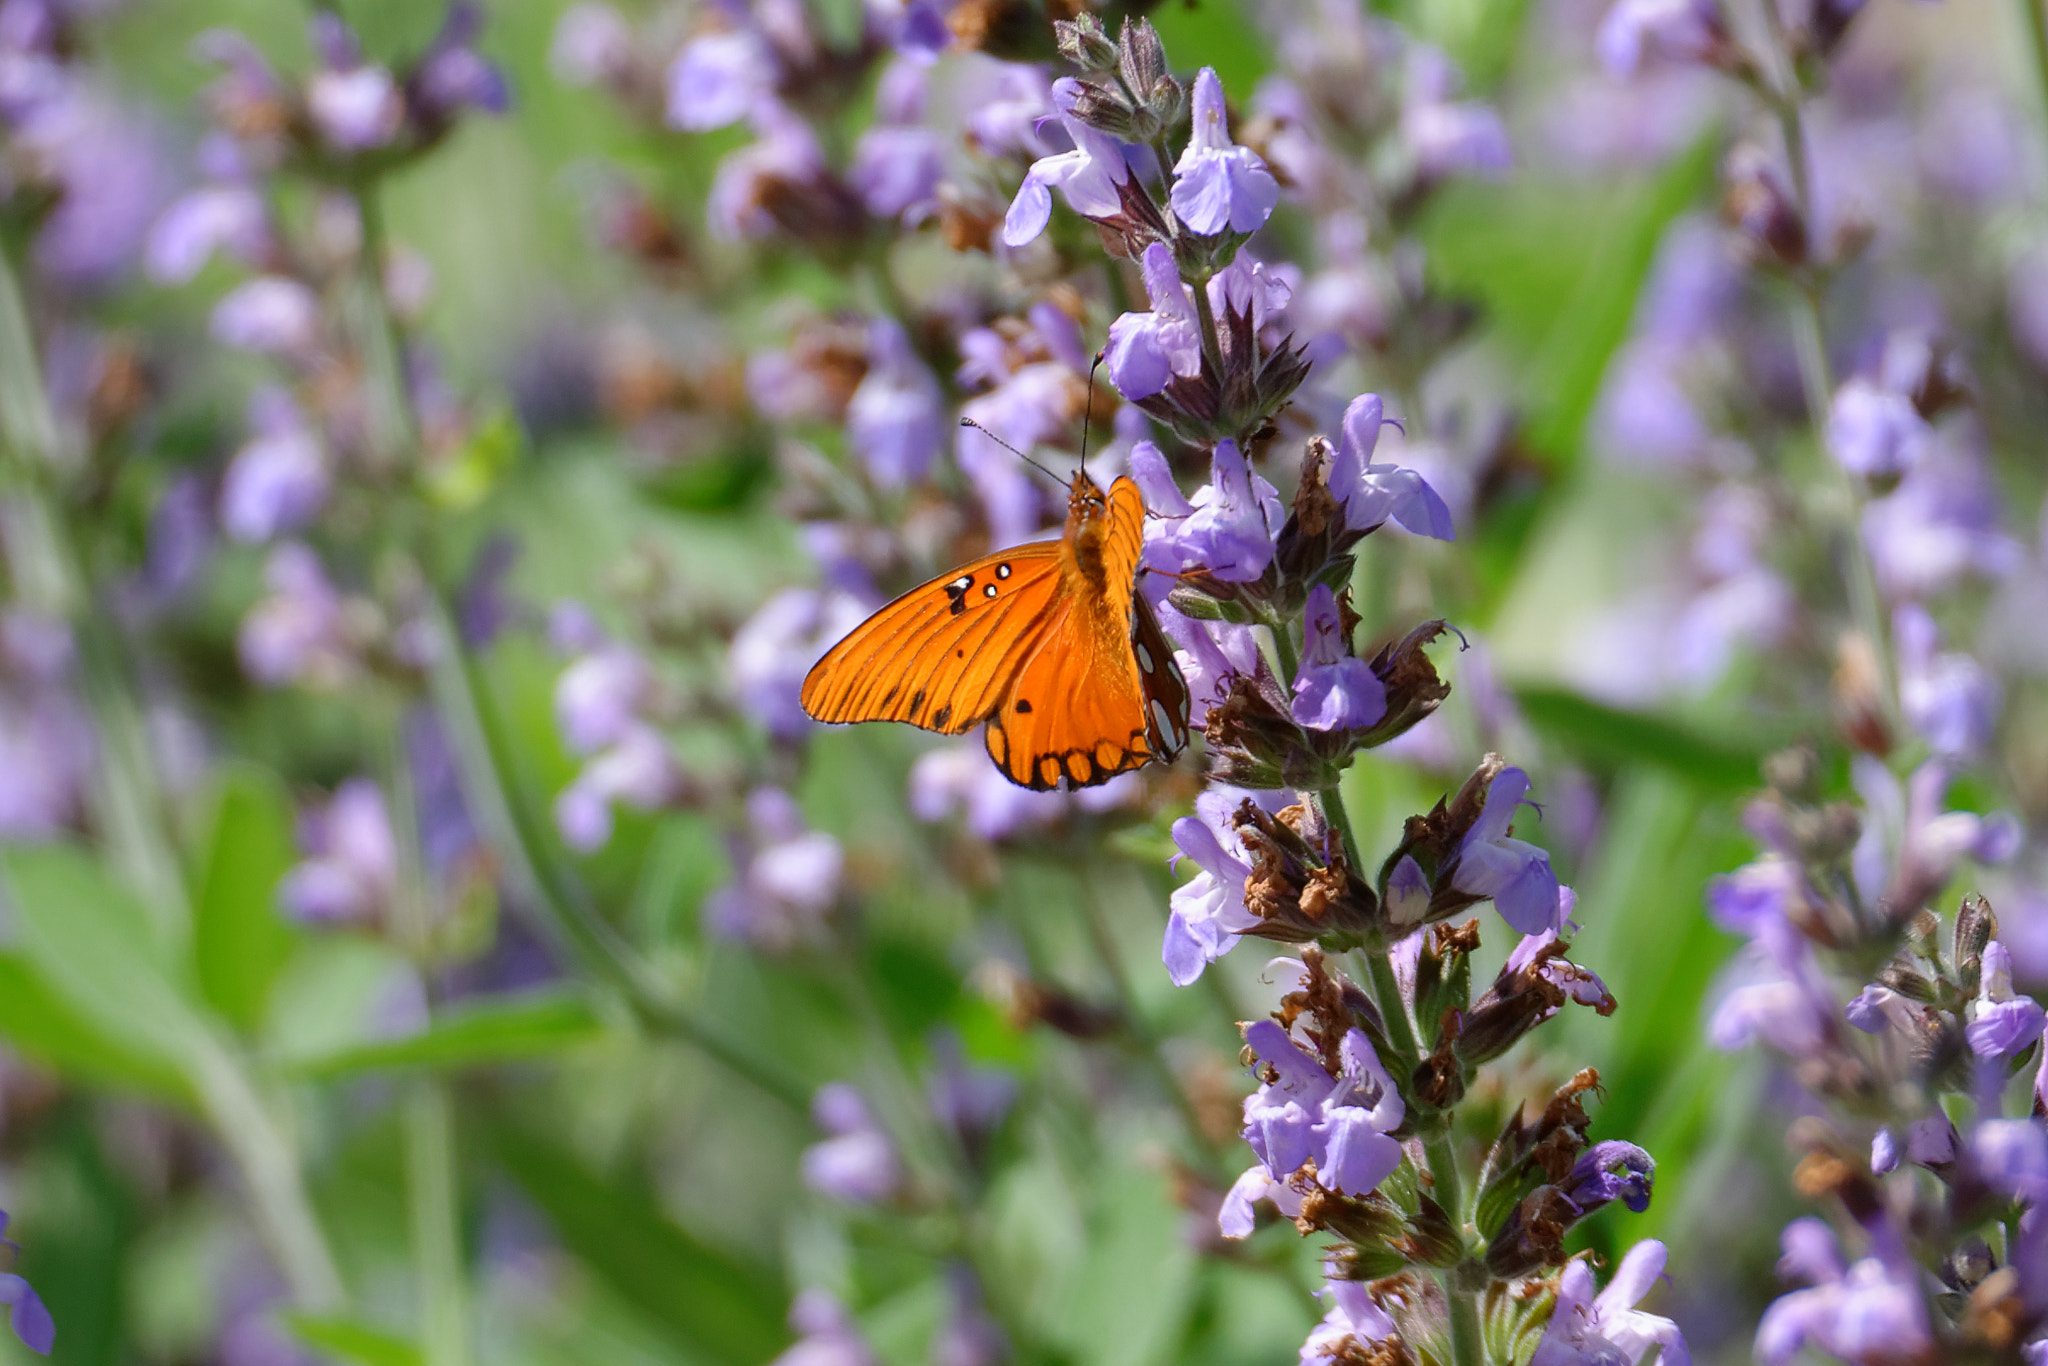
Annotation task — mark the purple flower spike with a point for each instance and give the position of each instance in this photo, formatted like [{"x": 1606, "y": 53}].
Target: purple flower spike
[
  {"x": 1610, "y": 1329},
  {"x": 1335, "y": 690},
  {"x": 1147, "y": 350},
  {"x": 1873, "y": 1311},
  {"x": 1090, "y": 176},
  {"x": 1513, "y": 873},
  {"x": 1218, "y": 184},
  {"x": 1373, "y": 493}
]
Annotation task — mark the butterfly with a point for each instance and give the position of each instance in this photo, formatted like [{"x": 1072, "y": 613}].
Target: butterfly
[{"x": 1048, "y": 644}]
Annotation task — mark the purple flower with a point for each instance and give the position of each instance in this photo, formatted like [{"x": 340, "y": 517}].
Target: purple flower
[
  {"x": 857, "y": 1163},
  {"x": 355, "y": 105},
  {"x": 1949, "y": 698},
  {"x": 719, "y": 79},
  {"x": 598, "y": 698},
  {"x": 1218, "y": 184},
  {"x": 1033, "y": 404},
  {"x": 1608, "y": 1330},
  {"x": 350, "y": 872},
  {"x": 960, "y": 778},
  {"x": 1373, "y": 493},
  {"x": 970, "y": 1102},
  {"x": 635, "y": 768},
  {"x": 1147, "y": 350},
  {"x": 30, "y": 1318},
  {"x": 272, "y": 314},
  {"x": 828, "y": 1336},
  {"x": 452, "y": 75},
  {"x": 1872, "y": 1312},
  {"x": 1211, "y": 653},
  {"x": 220, "y": 217},
  {"x": 1449, "y": 137},
  {"x": 1334, "y": 690},
  {"x": 278, "y": 482},
  {"x": 896, "y": 172},
  {"x": 1236, "y": 514},
  {"x": 1207, "y": 913},
  {"x": 1343, "y": 1123},
  {"x": 1875, "y": 432},
  {"x": 1781, "y": 997},
  {"x": 1756, "y": 894},
  {"x": 1611, "y": 1171},
  {"x": 1909, "y": 840},
  {"x": 1090, "y": 176},
  {"x": 2002, "y": 1024},
  {"x": 776, "y": 647},
  {"x": 785, "y": 153},
  {"x": 1940, "y": 524},
  {"x": 786, "y": 877},
  {"x": 896, "y": 417},
  {"x": 1513, "y": 874},
  {"x": 968, "y": 1335},
  {"x": 106, "y": 170},
  {"x": 299, "y": 632},
  {"x": 1670, "y": 30},
  {"x": 1353, "y": 1320},
  {"x": 2012, "y": 1157},
  {"x": 593, "y": 43}
]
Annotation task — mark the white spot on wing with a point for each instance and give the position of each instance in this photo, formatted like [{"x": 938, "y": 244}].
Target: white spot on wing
[
  {"x": 1162, "y": 721},
  {"x": 1144, "y": 655}
]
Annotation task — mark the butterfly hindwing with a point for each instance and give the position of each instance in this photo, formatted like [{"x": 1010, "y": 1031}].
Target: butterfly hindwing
[
  {"x": 1160, "y": 678},
  {"x": 942, "y": 655}
]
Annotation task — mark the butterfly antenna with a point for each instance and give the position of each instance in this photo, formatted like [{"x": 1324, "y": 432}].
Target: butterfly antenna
[
  {"x": 1088, "y": 410},
  {"x": 970, "y": 422}
]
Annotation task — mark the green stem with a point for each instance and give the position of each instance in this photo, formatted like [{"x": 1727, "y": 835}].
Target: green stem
[
  {"x": 1212, "y": 340},
  {"x": 436, "y": 1223},
  {"x": 1468, "y": 1342},
  {"x": 2037, "y": 47}
]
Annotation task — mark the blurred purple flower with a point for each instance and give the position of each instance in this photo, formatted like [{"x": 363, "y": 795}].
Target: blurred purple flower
[
  {"x": 1635, "y": 31},
  {"x": 896, "y": 418},
  {"x": 598, "y": 698},
  {"x": 1373, "y": 493},
  {"x": 1780, "y": 997},
  {"x": 1940, "y": 524},
  {"x": 212, "y": 218},
  {"x": 1875, "y": 432},
  {"x": 1218, "y": 184},
  {"x": 1514, "y": 874},
  {"x": 827, "y": 1335},
  {"x": 1449, "y": 137},
  {"x": 350, "y": 870},
  {"x": 111, "y": 178},
  {"x": 970, "y": 1102},
  {"x": 1949, "y": 698},
  {"x": 1334, "y": 689},
  {"x": 776, "y": 647},
  {"x": 299, "y": 632},
  {"x": 2002, "y": 1024},
  {"x": 968, "y": 1335},
  {"x": 1090, "y": 176},
  {"x": 593, "y": 45},
  {"x": 452, "y": 75},
  {"x": 1208, "y": 913},
  {"x": 635, "y": 768},
  {"x": 719, "y": 79},
  {"x": 1607, "y": 1329},
  {"x": 1147, "y": 350},
  {"x": 857, "y": 1163},
  {"x": 785, "y": 152},
  {"x": 272, "y": 314},
  {"x": 786, "y": 877},
  {"x": 279, "y": 481},
  {"x": 1870, "y": 1312},
  {"x": 961, "y": 778},
  {"x": 355, "y": 105}
]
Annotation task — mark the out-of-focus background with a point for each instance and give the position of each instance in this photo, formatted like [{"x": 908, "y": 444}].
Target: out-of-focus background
[{"x": 371, "y": 997}]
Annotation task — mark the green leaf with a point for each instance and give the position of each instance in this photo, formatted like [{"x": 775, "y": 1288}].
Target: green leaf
[
  {"x": 45, "y": 1028},
  {"x": 523, "y": 1028},
  {"x": 1611, "y": 736},
  {"x": 90, "y": 941},
  {"x": 722, "y": 1308},
  {"x": 352, "y": 1340},
  {"x": 239, "y": 941}
]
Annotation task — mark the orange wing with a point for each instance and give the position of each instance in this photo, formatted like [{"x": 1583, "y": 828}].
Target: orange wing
[
  {"x": 941, "y": 656},
  {"x": 1046, "y": 642}
]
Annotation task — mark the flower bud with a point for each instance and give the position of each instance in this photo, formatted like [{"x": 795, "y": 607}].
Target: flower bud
[
  {"x": 1976, "y": 926},
  {"x": 1141, "y": 58},
  {"x": 1086, "y": 44},
  {"x": 1759, "y": 207}
]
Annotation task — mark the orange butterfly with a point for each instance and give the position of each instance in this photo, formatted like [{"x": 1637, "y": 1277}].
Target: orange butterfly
[{"x": 1049, "y": 643}]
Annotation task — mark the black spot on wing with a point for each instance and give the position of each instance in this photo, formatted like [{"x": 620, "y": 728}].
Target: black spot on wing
[
  {"x": 941, "y": 717},
  {"x": 1023, "y": 706}
]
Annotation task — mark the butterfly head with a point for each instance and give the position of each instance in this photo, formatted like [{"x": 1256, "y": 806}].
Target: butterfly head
[{"x": 1086, "y": 501}]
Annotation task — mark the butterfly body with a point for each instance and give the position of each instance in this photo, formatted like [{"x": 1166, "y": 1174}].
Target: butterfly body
[{"x": 1048, "y": 644}]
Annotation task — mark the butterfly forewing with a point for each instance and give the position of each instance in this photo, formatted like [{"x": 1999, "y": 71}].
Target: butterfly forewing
[{"x": 942, "y": 655}]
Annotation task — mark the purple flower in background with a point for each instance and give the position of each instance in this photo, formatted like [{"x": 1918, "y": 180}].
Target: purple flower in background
[
  {"x": 970, "y": 1102},
  {"x": 857, "y": 1163},
  {"x": 1218, "y": 184},
  {"x": 272, "y": 314},
  {"x": 30, "y": 1318},
  {"x": 452, "y": 75},
  {"x": 350, "y": 872},
  {"x": 1607, "y": 1329},
  {"x": 786, "y": 153},
  {"x": 2002, "y": 1024},
  {"x": 786, "y": 877},
  {"x": 1634, "y": 31},
  {"x": 1207, "y": 913},
  {"x": 1373, "y": 493},
  {"x": 1514, "y": 874},
  {"x": 635, "y": 769},
  {"x": 1343, "y": 1123},
  {"x": 225, "y": 214},
  {"x": 896, "y": 162},
  {"x": 1780, "y": 997},
  {"x": 1449, "y": 137},
  {"x": 896, "y": 418},
  {"x": 1090, "y": 176},
  {"x": 278, "y": 482},
  {"x": 300, "y": 632},
  {"x": 593, "y": 44},
  {"x": 960, "y": 778},
  {"x": 776, "y": 647},
  {"x": 1875, "y": 432},
  {"x": 355, "y": 105},
  {"x": 2012, "y": 1157},
  {"x": 719, "y": 79},
  {"x": 968, "y": 1335},
  {"x": 1871, "y": 1311},
  {"x": 1147, "y": 350},
  {"x": 1940, "y": 524},
  {"x": 827, "y": 1335},
  {"x": 1334, "y": 690},
  {"x": 598, "y": 698},
  {"x": 102, "y": 162},
  {"x": 1949, "y": 698},
  {"x": 1353, "y": 1320},
  {"x": 48, "y": 749}
]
